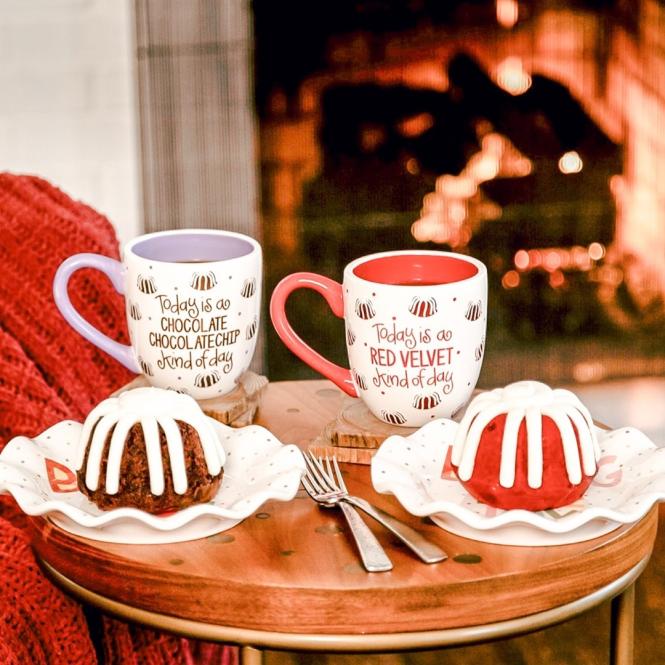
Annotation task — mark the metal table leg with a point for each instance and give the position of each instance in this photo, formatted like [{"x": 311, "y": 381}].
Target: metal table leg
[
  {"x": 251, "y": 656},
  {"x": 622, "y": 627}
]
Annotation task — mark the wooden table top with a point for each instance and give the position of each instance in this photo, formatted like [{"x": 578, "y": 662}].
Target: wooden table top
[{"x": 291, "y": 567}]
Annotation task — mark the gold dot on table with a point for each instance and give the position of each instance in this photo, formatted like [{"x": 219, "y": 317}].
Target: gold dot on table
[
  {"x": 293, "y": 410},
  {"x": 287, "y": 552},
  {"x": 328, "y": 529},
  {"x": 221, "y": 538},
  {"x": 176, "y": 562},
  {"x": 468, "y": 558},
  {"x": 262, "y": 516}
]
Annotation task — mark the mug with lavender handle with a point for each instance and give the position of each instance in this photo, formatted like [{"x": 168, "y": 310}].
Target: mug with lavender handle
[
  {"x": 415, "y": 326},
  {"x": 192, "y": 301}
]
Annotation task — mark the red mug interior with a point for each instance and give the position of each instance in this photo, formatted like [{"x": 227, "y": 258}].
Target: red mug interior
[{"x": 415, "y": 270}]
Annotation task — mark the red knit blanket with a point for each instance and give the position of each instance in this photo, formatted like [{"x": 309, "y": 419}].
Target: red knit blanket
[{"x": 49, "y": 373}]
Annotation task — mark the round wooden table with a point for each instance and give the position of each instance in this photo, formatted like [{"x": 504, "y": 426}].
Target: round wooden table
[{"x": 288, "y": 577}]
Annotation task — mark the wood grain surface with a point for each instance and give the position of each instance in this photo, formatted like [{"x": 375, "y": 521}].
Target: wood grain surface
[
  {"x": 356, "y": 427},
  {"x": 355, "y": 434},
  {"x": 580, "y": 641},
  {"x": 292, "y": 568}
]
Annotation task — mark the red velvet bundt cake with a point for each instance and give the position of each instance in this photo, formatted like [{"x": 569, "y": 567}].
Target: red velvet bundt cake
[{"x": 526, "y": 446}]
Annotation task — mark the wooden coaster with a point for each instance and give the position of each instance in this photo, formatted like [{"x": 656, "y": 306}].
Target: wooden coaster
[
  {"x": 350, "y": 455},
  {"x": 355, "y": 434},
  {"x": 356, "y": 427},
  {"x": 237, "y": 408}
]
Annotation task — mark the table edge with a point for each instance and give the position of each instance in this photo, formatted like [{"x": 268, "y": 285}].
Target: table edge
[{"x": 351, "y": 643}]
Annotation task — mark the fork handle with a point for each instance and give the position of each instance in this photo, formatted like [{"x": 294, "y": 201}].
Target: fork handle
[
  {"x": 423, "y": 548},
  {"x": 372, "y": 554}
]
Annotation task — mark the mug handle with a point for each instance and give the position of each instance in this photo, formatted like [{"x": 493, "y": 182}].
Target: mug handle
[
  {"x": 123, "y": 353},
  {"x": 332, "y": 292}
]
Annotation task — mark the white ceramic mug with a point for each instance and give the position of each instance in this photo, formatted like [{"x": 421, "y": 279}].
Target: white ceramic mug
[
  {"x": 192, "y": 300},
  {"x": 415, "y": 331}
]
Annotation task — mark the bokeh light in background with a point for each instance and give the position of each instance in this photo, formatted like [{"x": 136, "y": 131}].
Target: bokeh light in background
[
  {"x": 570, "y": 162},
  {"x": 507, "y": 12},
  {"x": 522, "y": 133},
  {"x": 512, "y": 77}
]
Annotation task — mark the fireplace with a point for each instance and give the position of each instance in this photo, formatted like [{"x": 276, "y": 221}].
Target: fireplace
[{"x": 525, "y": 134}]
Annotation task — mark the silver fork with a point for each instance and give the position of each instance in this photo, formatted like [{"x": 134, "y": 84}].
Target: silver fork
[
  {"x": 373, "y": 556},
  {"x": 333, "y": 491}
]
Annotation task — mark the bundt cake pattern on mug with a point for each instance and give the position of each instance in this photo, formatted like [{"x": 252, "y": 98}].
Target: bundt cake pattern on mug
[
  {"x": 423, "y": 307},
  {"x": 478, "y": 353},
  {"x": 364, "y": 309},
  {"x": 146, "y": 284},
  {"x": 474, "y": 310},
  {"x": 203, "y": 281},
  {"x": 360, "y": 380},
  {"x": 207, "y": 379},
  {"x": 145, "y": 366},
  {"x": 425, "y": 402},
  {"x": 150, "y": 449},
  {"x": 350, "y": 337},
  {"x": 134, "y": 311},
  {"x": 393, "y": 417},
  {"x": 526, "y": 446},
  {"x": 251, "y": 329},
  {"x": 248, "y": 288}
]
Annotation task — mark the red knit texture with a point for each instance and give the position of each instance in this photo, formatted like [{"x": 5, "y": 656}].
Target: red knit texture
[{"x": 49, "y": 373}]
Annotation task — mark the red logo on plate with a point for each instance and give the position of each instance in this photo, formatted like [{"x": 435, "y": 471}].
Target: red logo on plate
[{"x": 60, "y": 478}]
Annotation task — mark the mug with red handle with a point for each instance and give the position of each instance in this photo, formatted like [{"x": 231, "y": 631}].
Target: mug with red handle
[{"x": 415, "y": 325}]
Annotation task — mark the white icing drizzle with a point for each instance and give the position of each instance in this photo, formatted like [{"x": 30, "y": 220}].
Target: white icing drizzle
[
  {"x": 152, "y": 408},
  {"x": 531, "y": 400},
  {"x": 469, "y": 417},
  {"x": 534, "y": 448},
  {"x": 154, "y": 455},
  {"x": 176, "y": 453},
  {"x": 587, "y": 442},
  {"x": 100, "y": 410},
  {"x": 469, "y": 450},
  {"x": 97, "y": 448},
  {"x": 583, "y": 411},
  {"x": 571, "y": 453},
  {"x": 509, "y": 447},
  {"x": 116, "y": 448}
]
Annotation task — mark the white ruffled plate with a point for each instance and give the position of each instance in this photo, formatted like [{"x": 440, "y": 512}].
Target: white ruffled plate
[
  {"x": 630, "y": 480},
  {"x": 38, "y": 474}
]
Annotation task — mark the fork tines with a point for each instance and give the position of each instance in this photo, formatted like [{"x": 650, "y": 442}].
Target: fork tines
[
  {"x": 338, "y": 474},
  {"x": 324, "y": 473},
  {"x": 314, "y": 480}
]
